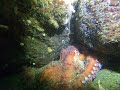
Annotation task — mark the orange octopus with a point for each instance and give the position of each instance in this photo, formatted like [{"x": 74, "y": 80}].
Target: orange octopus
[{"x": 72, "y": 71}]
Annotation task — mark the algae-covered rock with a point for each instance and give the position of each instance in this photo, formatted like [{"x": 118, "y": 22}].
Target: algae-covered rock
[
  {"x": 98, "y": 25},
  {"x": 42, "y": 20},
  {"x": 109, "y": 80},
  {"x": 37, "y": 27}
]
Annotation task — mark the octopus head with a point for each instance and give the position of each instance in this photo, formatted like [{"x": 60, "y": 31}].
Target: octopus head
[{"x": 69, "y": 55}]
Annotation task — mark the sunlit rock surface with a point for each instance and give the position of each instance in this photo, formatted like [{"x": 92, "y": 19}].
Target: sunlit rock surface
[{"x": 98, "y": 25}]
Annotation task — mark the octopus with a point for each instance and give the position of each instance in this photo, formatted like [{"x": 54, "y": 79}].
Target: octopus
[{"x": 72, "y": 71}]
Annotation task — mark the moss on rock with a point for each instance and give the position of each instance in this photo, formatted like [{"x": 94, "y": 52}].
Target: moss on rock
[
  {"x": 109, "y": 80},
  {"x": 33, "y": 25},
  {"x": 36, "y": 51}
]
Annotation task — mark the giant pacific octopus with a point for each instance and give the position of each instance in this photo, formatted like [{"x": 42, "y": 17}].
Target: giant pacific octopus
[{"x": 72, "y": 71}]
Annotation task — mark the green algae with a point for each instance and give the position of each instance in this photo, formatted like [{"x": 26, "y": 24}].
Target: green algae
[
  {"x": 109, "y": 80},
  {"x": 36, "y": 51},
  {"x": 34, "y": 23}
]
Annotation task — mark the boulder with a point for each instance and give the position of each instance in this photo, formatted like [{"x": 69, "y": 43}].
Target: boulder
[{"x": 97, "y": 25}]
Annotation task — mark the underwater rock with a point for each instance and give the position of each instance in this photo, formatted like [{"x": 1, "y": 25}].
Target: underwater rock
[
  {"x": 38, "y": 27},
  {"x": 98, "y": 24},
  {"x": 70, "y": 72},
  {"x": 46, "y": 30},
  {"x": 107, "y": 79}
]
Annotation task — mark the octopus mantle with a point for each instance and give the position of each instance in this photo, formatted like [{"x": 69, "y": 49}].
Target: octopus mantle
[{"x": 72, "y": 71}]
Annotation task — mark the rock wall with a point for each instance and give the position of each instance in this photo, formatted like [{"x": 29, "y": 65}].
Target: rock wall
[{"x": 37, "y": 28}]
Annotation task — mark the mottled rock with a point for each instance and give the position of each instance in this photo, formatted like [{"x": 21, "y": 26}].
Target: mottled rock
[{"x": 98, "y": 25}]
